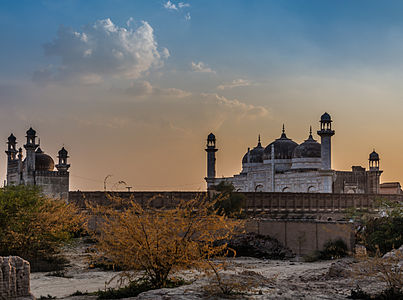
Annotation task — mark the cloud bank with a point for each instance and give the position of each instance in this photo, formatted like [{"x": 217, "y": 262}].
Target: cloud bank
[
  {"x": 235, "y": 83},
  {"x": 102, "y": 49},
  {"x": 201, "y": 67}
]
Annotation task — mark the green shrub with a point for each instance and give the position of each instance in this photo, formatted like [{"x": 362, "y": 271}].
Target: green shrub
[
  {"x": 35, "y": 227},
  {"x": 334, "y": 249},
  {"x": 385, "y": 233},
  {"x": 228, "y": 202}
]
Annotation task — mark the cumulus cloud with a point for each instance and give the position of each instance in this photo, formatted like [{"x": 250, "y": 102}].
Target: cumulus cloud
[
  {"x": 170, "y": 6},
  {"x": 103, "y": 49},
  {"x": 145, "y": 88},
  {"x": 235, "y": 83},
  {"x": 201, "y": 67},
  {"x": 187, "y": 17}
]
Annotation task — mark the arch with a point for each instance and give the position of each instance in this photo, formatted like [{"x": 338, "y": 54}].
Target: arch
[
  {"x": 286, "y": 190},
  {"x": 311, "y": 189}
]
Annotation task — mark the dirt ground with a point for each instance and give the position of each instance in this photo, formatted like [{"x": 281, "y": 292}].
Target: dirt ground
[{"x": 285, "y": 280}]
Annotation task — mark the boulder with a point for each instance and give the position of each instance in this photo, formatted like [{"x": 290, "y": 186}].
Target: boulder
[
  {"x": 14, "y": 278},
  {"x": 259, "y": 246},
  {"x": 340, "y": 268}
]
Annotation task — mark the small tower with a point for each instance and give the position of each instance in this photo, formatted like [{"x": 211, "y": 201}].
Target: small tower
[
  {"x": 374, "y": 174},
  {"x": 374, "y": 161},
  {"x": 326, "y": 134},
  {"x": 11, "y": 148},
  {"x": 62, "y": 166},
  {"x": 211, "y": 150},
  {"x": 30, "y": 148}
]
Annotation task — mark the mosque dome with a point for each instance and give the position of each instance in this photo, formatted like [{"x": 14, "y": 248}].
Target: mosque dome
[
  {"x": 374, "y": 156},
  {"x": 43, "y": 162},
  {"x": 283, "y": 148},
  {"x": 31, "y": 132},
  {"x": 309, "y": 148},
  {"x": 255, "y": 155}
]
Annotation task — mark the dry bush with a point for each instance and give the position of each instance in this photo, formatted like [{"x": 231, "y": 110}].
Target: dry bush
[
  {"x": 144, "y": 240},
  {"x": 387, "y": 269}
]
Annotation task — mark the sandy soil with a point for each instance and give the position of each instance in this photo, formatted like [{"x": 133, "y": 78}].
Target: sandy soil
[{"x": 288, "y": 280}]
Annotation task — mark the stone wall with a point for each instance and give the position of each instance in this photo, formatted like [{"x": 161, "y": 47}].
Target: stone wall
[
  {"x": 303, "y": 236},
  {"x": 14, "y": 278}
]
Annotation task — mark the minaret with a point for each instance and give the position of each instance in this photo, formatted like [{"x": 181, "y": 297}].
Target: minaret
[
  {"x": 63, "y": 166},
  {"x": 11, "y": 148},
  {"x": 11, "y": 158},
  {"x": 211, "y": 150},
  {"x": 374, "y": 173},
  {"x": 30, "y": 148},
  {"x": 326, "y": 134}
]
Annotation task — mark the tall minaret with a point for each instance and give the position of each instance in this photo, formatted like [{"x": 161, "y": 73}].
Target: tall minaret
[
  {"x": 11, "y": 158},
  {"x": 326, "y": 134},
  {"x": 30, "y": 148},
  {"x": 211, "y": 150}
]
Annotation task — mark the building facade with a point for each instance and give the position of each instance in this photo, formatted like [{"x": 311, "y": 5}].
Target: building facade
[
  {"x": 285, "y": 166},
  {"x": 37, "y": 168}
]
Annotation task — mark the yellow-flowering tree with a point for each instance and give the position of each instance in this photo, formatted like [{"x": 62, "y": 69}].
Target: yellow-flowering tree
[{"x": 161, "y": 241}]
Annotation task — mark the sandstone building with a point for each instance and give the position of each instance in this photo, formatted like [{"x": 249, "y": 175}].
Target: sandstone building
[
  {"x": 37, "y": 168},
  {"x": 285, "y": 166}
]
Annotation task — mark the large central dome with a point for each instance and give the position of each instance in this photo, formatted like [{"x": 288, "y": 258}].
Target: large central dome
[{"x": 283, "y": 148}]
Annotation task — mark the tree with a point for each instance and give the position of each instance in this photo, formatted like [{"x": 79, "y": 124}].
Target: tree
[
  {"x": 158, "y": 242},
  {"x": 227, "y": 201},
  {"x": 33, "y": 226}
]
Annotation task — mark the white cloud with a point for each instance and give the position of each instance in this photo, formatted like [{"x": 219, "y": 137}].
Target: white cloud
[
  {"x": 235, "y": 83},
  {"x": 187, "y": 17},
  {"x": 144, "y": 88},
  {"x": 170, "y": 6},
  {"x": 201, "y": 67},
  {"x": 240, "y": 109},
  {"x": 183, "y": 4},
  {"x": 103, "y": 49}
]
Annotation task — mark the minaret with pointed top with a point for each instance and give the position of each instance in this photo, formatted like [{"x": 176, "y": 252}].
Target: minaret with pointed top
[
  {"x": 326, "y": 134},
  {"x": 30, "y": 148},
  {"x": 63, "y": 166},
  {"x": 211, "y": 150}
]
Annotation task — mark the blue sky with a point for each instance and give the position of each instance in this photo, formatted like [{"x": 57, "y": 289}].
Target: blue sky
[{"x": 162, "y": 74}]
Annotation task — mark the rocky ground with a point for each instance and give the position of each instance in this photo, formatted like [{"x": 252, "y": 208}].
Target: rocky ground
[{"x": 277, "y": 280}]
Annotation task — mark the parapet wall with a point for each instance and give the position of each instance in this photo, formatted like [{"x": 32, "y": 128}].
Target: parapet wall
[{"x": 260, "y": 202}]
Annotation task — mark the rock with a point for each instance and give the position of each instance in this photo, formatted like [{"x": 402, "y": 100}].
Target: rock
[
  {"x": 259, "y": 246},
  {"x": 394, "y": 253},
  {"x": 340, "y": 268},
  {"x": 14, "y": 278}
]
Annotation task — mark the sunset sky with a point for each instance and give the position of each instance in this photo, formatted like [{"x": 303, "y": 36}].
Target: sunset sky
[{"x": 133, "y": 88}]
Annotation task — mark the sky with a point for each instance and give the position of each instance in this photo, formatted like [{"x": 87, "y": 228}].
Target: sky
[{"x": 132, "y": 88}]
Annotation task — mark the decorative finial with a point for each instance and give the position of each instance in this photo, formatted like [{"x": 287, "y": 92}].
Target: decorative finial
[
  {"x": 310, "y": 130},
  {"x": 283, "y": 128}
]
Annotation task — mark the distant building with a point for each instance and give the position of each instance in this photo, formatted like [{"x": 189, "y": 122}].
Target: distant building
[
  {"x": 37, "y": 168},
  {"x": 285, "y": 166},
  {"x": 391, "y": 188}
]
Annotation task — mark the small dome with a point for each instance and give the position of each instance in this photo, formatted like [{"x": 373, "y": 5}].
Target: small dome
[
  {"x": 309, "y": 148},
  {"x": 255, "y": 155},
  {"x": 374, "y": 156},
  {"x": 325, "y": 118},
  {"x": 12, "y": 138},
  {"x": 283, "y": 148},
  {"x": 31, "y": 132},
  {"x": 211, "y": 136},
  {"x": 43, "y": 162}
]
